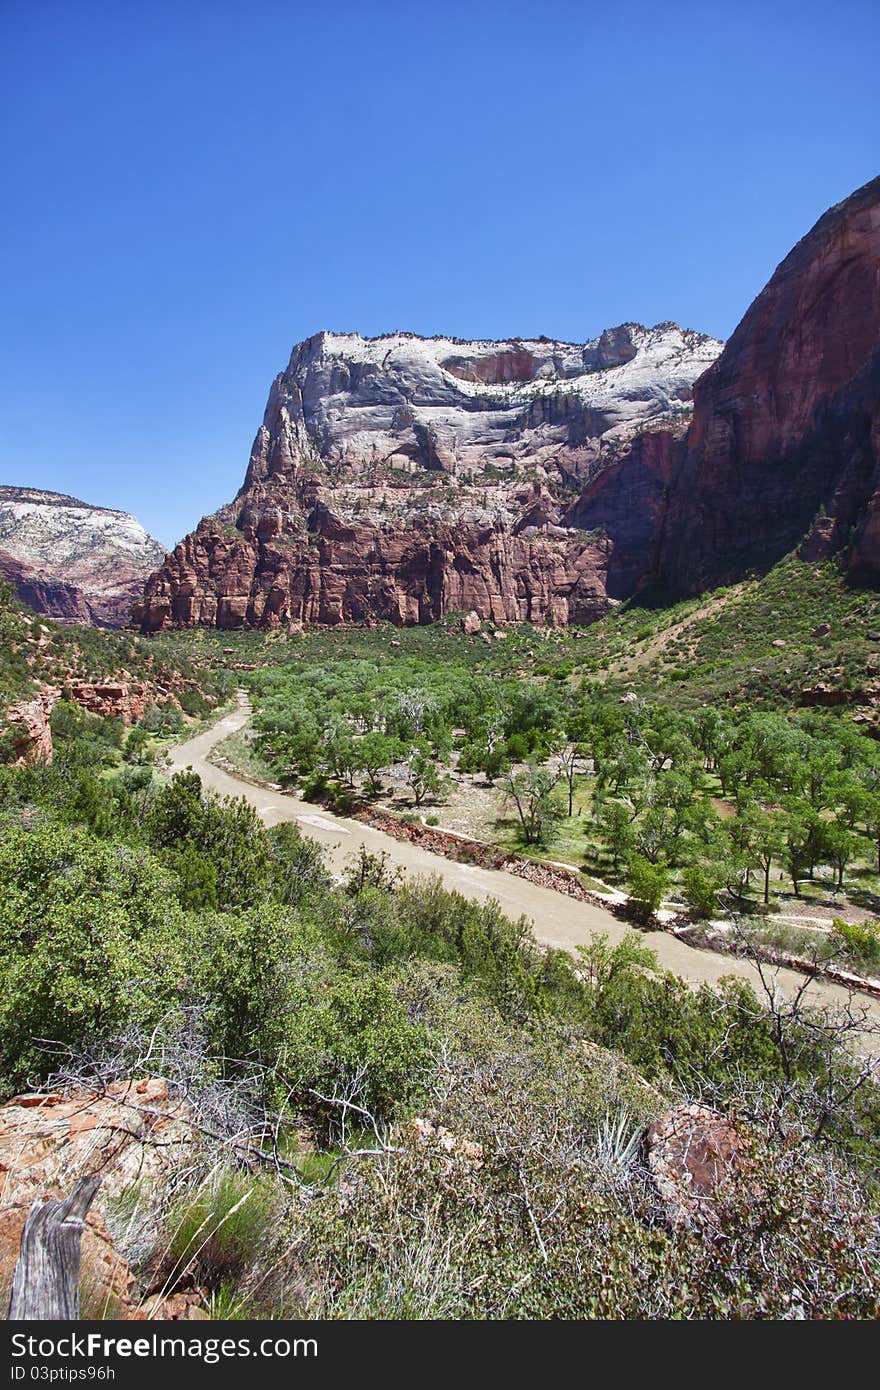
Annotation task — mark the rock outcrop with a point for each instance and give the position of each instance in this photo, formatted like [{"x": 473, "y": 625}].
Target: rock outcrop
[
  {"x": 691, "y": 1151},
  {"x": 136, "y": 1136},
  {"x": 31, "y": 730},
  {"x": 785, "y": 438},
  {"x": 30, "y": 720},
  {"x": 70, "y": 561},
  {"x": 114, "y": 699},
  {"x": 403, "y": 478}
]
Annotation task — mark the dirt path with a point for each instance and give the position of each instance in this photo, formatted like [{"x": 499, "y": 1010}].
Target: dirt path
[
  {"x": 557, "y": 920},
  {"x": 658, "y": 644}
]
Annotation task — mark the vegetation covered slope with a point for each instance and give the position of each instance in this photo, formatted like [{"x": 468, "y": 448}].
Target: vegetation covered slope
[
  {"x": 340, "y": 1032},
  {"x": 713, "y": 756},
  {"x": 405, "y": 1107}
]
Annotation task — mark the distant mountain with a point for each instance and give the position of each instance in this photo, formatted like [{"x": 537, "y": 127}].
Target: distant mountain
[
  {"x": 402, "y": 478},
  {"x": 71, "y": 561}
]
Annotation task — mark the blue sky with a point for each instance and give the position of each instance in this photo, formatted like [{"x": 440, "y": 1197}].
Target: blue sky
[{"x": 191, "y": 188}]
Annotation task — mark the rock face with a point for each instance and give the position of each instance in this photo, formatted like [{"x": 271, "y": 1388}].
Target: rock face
[
  {"x": 31, "y": 729},
  {"x": 691, "y": 1150},
  {"x": 54, "y": 598},
  {"x": 30, "y": 720},
  {"x": 785, "y": 438},
  {"x": 404, "y": 478},
  {"x": 123, "y": 699},
  {"x": 135, "y": 1136},
  {"x": 70, "y": 561}
]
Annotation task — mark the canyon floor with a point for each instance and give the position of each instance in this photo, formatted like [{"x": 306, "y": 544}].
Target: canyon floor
[{"x": 557, "y": 921}]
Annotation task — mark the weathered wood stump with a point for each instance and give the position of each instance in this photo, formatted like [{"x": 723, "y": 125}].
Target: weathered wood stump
[{"x": 45, "y": 1285}]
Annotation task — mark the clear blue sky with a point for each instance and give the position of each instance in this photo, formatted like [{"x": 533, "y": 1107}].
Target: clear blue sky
[{"x": 191, "y": 188}]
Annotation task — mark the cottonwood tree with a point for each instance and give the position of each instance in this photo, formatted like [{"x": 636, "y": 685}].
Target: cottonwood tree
[
  {"x": 374, "y": 752},
  {"x": 531, "y": 789},
  {"x": 571, "y": 765},
  {"x": 422, "y": 773}
]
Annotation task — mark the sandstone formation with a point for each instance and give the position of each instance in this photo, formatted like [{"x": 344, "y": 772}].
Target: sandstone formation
[
  {"x": 30, "y": 720},
  {"x": 70, "y": 561},
  {"x": 115, "y": 699},
  {"x": 691, "y": 1150},
  {"x": 135, "y": 1135},
  {"x": 52, "y": 597},
  {"x": 403, "y": 478},
  {"x": 785, "y": 439},
  {"x": 31, "y": 730}
]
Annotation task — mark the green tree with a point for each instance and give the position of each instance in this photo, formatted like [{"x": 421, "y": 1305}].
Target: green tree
[
  {"x": 532, "y": 792},
  {"x": 614, "y": 827},
  {"x": 422, "y": 773},
  {"x": 647, "y": 884},
  {"x": 374, "y": 752},
  {"x": 701, "y": 885}
]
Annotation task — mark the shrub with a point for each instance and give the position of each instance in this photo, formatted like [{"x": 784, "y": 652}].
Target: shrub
[
  {"x": 861, "y": 939},
  {"x": 700, "y": 889},
  {"x": 193, "y": 702},
  {"x": 164, "y": 719},
  {"x": 647, "y": 884},
  {"x": 355, "y": 1046},
  {"x": 90, "y": 937}
]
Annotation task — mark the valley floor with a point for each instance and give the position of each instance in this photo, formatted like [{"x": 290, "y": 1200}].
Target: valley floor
[{"x": 557, "y": 921}]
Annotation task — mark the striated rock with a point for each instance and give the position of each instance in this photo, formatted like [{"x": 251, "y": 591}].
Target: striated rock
[
  {"x": 29, "y": 721},
  {"x": 136, "y": 1136},
  {"x": 52, "y": 597},
  {"x": 690, "y": 1151},
  {"x": 403, "y": 478},
  {"x": 626, "y": 503},
  {"x": 70, "y": 561},
  {"x": 785, "y": 438},
  {"x": 133, "y": 1130},
  {"x": 349, "y": 574},
  {"x": 125, "y": 700}
]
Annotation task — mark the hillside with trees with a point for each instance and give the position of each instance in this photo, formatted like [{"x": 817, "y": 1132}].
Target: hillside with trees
[{"x": 401, "y": 1104}]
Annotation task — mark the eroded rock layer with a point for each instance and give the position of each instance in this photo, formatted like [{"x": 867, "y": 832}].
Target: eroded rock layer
[
  {"x": 70, "y": 561},
  {"x": 404, "y": 478},
  {"x": 785, "y": 439}
]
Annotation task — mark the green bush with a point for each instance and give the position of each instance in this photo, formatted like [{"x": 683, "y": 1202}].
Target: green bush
[
  {"x": 647, "y": 884},
  {"x": 91, "y": 937},
  {"x": 700, "y": 889},
  {"x": 861, "y": 939},
  {"x": 355, "y": 1045}
]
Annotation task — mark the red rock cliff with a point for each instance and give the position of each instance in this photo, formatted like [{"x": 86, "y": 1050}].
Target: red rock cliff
[
  {"x": 340, "y": 573},
  {"x": 404, "y": 478},
  {"x": 786, "y": 424}
]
